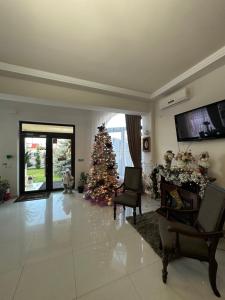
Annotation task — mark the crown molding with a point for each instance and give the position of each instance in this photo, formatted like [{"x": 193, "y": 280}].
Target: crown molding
[
  {"x": 190, "y": 73},
  {"x": 177, "y": 82},
  {"x": 59, "y": 103},
  {"x": 77, "y": 82}
]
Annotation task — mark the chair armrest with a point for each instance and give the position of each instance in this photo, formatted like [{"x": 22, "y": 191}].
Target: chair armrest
[
  {"x": 116, "y": 189},
  {"x": 201, "y": 235},
  {"x": 186, "y": 211},
  {"x": 119, "y": 187}
]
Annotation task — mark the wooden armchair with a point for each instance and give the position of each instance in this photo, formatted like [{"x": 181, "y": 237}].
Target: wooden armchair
[
  {"x": 199, "y": 241},
  {"x": 131, "y": 193}
]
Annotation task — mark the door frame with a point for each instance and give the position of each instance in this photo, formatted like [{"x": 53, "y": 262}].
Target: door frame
[{"x": 49, "y": 155}]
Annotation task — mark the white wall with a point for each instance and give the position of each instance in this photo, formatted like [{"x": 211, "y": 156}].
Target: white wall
[
  {"x": 97, "y": 118},
  {"x": 85, "y": 122},
  {"x": 10, "y": 115},
  {"x": 205, "y": 90},
  {"x": 147, "y": 157}
]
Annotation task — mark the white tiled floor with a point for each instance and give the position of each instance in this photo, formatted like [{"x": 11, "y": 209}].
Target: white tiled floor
[{"x": 64, "y": 248}]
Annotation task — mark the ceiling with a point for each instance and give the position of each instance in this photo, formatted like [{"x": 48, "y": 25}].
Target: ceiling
[{"x": 139, "y": 45}]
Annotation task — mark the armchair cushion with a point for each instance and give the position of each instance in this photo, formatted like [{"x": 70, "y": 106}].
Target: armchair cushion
[
  {"x": 127, "y": 198},
  {"x": 188, "y": 246}
]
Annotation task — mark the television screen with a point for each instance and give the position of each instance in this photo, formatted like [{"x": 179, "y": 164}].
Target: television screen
[{"x": 207, "y": 122}]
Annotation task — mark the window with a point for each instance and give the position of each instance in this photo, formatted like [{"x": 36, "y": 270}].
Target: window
[
  {"x": 50, "y": 128},
  {"x": 117, "y": 130}
]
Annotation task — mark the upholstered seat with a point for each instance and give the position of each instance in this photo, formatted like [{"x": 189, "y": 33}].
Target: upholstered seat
[
  {"x": 131, "y": 193},
  {"x": 128, "y": 199},
  {"x": 199, "y": 241}
]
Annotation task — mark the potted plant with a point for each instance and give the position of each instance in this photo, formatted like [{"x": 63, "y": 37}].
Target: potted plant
[
  {"x": 82, "y": 182},
  {"x": 4, "y": 187}
]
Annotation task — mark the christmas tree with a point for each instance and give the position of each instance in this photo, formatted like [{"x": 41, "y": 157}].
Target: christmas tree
[{"x": 102, "y": 179}]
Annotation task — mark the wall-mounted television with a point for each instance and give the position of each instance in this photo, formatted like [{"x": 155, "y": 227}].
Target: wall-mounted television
[{"x": 203, "y": 123}]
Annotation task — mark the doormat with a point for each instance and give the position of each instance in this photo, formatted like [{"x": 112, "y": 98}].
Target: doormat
[
  {"x": 148, "y": 227},
  {"x": 31, "y": 197}
]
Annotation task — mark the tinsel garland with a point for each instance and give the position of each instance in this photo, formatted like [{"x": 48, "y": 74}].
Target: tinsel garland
[{"x": 178, "y": 176}]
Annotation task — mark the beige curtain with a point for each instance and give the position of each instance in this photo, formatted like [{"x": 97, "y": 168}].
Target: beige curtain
[{"x": 133, "y": 124}]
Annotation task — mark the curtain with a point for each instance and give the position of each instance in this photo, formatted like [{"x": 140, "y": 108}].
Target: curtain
[{"x": 133, "y": 125}]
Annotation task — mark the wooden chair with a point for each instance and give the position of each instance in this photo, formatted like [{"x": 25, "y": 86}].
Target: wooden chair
[
  {"x": 131, "y": 193},
  {"x": 199, "y": 241}
]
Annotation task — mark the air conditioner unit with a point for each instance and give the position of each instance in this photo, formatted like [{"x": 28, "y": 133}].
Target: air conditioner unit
[{"x": 173, "y": 99}]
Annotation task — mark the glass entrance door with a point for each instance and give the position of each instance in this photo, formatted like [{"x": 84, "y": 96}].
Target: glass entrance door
[
  {"x": 34, "y": 164},
  {"x": 46, "y": 152},
  {"x": 61, "y": 160}
]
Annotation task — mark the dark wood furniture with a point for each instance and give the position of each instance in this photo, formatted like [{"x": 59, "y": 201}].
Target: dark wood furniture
[
  {"x": 191, "y": 201},
  {"x": 131, "y": 191},
  {"x": 200, "y": 240}
]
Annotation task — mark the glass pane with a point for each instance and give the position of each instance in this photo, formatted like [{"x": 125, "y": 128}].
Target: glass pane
[
  {"x": 35, "y": 169},
  {"x": 29, "y": 127},
  {"x": 61, "y": 151},
  {"x": 121, "y": 148},
  {"x": 117, "y": 130}
]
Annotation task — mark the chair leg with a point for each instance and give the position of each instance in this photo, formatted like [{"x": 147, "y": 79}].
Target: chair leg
[
  {"x": 212, "y": 275},
  {"x": 165, "y": 261},
  {"x": 160, "y": 245},
  {"x": 114, "y": 211},
  {"x": 134, "y": 215},
  {"x": 140, "y": 211}
]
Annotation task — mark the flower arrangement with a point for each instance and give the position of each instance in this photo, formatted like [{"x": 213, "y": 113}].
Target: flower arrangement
[
  {"x": 203, "y": 162},
  {"x": 184, "y": 158},
  {"x": 168, "y": 157}
]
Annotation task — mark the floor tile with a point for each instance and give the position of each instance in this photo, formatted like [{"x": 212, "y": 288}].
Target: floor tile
[
  {"x": 135, "y": 253},
  {"x": 49, "y": 279},
  {"x": 117, "y": 290},
  {"x": 193, "y": 276},
  {"x": 187, "y": 279},
  {"x": 66, "y": 248},
  {"x": 50, "y": 241},
  {"x": 13, "y": 255},
  {"x": 97, "y": 265},
  {"x": 149, "y": 285},
  {"x": 8, "y": 283},
  {"x": 89, "y": 234}
]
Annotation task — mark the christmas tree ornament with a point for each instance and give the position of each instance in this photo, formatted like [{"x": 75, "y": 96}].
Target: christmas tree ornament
[{"x": 108, "y": 145}]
